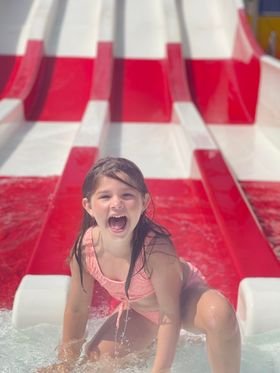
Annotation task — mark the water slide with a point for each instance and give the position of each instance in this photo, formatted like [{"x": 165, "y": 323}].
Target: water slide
[{"x": 179, "y": 87}]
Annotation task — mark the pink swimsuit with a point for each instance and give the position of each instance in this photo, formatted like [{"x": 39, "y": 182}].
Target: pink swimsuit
[{"x": 140, "y": 286}]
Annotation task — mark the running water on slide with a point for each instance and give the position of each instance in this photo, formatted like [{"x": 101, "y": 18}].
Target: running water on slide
[{"x": 181, "y": 92}]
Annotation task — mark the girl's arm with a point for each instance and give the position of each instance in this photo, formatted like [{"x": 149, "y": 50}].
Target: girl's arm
[
  {"x": 167, "y": 281},
  {"x": 76, "y": 313}
]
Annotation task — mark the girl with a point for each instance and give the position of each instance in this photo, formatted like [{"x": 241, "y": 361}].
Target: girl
[{"x": 134, "y": 259}]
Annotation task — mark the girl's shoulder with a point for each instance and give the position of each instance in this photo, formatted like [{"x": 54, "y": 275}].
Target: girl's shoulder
[
  {"x": 155, "y": 242},
  {"x": 89, "y": 259},
  {"x": 87, "y": 241},
  {"x": 88, "y": 247},
  {"x": 160, "y": 252},
  {"x": 90, "y": 238}
]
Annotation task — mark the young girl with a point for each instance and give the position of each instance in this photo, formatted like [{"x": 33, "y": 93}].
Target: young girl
[{"x": 134, "y": 259}]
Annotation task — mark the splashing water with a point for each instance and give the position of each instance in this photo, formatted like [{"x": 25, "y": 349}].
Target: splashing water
[{"x": 24, "y": 351}]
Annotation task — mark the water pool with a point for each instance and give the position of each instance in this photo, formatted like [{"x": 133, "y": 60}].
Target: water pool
[{"x": 23, "y": 351}]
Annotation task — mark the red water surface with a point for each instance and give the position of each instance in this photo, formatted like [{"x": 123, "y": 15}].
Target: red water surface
[
  {"x": 23, "y": 204},
  {"x": 180, "y": 205}
]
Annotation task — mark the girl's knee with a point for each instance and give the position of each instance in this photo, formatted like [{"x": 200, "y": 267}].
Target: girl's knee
[{"x": 216, "y": 314}]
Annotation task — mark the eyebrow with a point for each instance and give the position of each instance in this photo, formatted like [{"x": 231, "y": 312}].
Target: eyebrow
[{"x": 125, "y": 188}]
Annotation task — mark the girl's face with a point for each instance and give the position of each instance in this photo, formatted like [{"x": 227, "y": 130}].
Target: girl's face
[{"x": 116, "y": 206}]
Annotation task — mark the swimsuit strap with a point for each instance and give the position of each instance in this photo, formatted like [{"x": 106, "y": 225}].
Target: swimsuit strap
[{"x": 122, "y": 306}]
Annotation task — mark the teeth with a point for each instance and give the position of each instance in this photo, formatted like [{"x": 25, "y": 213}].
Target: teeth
[{"x": 118, "y": 221}]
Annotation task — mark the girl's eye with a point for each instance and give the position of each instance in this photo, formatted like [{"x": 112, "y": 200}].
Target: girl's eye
[
  {"x": 128, "y": 195},
  {"x": 104, "y": 196}
]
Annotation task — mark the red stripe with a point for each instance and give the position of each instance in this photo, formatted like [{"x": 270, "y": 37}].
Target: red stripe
[
  {"x": 140, "y": 91},
  {"x": 225, "y": 91},
  {"x": 61, "y": 91},
  {"x": 22, "y": 83},
  {"x": 9, "y": 66},
  {"x": 251, "y": 253},
  {"x": 102, "y": 80}
]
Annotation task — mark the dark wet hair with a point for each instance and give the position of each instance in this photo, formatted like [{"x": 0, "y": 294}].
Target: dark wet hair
[{"x": 117, "y": 168}]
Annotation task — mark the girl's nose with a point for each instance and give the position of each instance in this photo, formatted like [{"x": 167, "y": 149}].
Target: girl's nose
[{"x": 117, "y": 203}]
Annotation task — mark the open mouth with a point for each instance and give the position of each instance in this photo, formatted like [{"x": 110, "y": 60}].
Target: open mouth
[{"x": 117, "y": 223}]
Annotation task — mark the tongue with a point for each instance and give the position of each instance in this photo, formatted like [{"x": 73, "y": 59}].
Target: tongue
[{"x": 117, "y": 223}]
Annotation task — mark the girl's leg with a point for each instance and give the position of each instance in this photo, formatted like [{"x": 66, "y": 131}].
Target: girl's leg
[
  {"x": 208, "y": 311},
  {"x": 132, "y": 336}
]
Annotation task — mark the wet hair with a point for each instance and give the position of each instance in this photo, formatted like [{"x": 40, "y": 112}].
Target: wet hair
[{"x": 128, "y": 173}]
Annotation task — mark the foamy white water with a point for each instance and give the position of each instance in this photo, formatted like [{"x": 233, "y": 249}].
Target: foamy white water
[{"x": 24, "y": 351}]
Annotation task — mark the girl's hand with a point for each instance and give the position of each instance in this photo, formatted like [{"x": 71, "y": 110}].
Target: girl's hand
[
  {"x": 71, "y": 350},
  {"x": 57, "y": 368}
]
